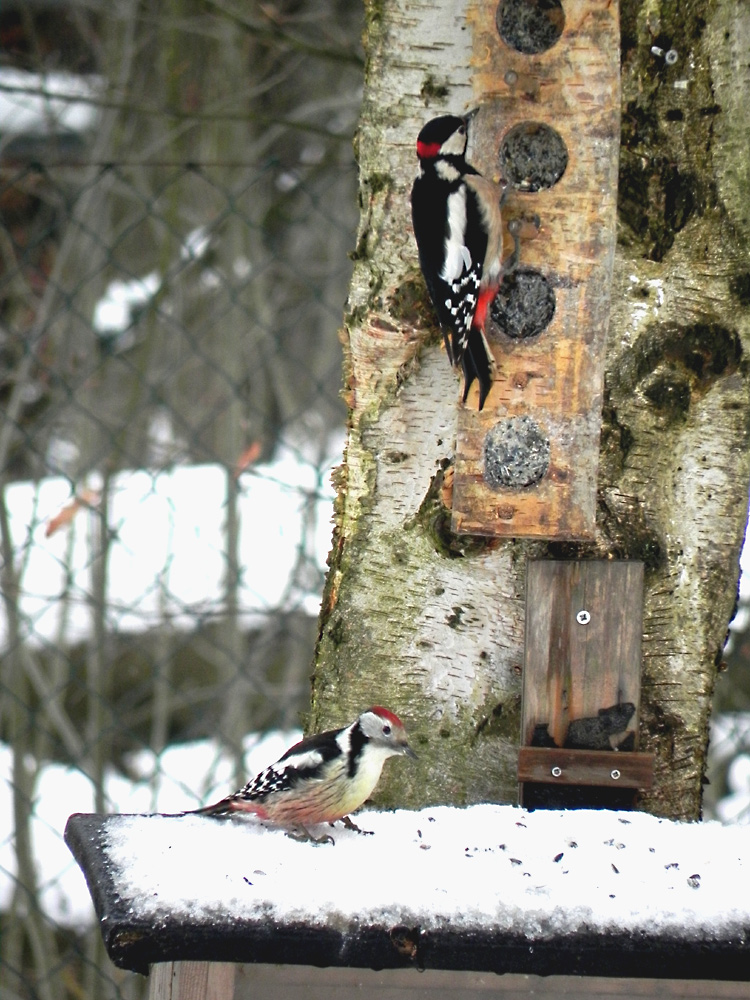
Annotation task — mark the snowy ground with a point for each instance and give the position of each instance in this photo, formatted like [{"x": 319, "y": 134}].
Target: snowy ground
[{"x": 498, "y": 868}]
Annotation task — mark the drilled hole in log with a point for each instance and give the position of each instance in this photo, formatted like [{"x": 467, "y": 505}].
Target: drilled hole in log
[
  {"x": 524, "y": 305},
  {"x": 516, "y": 453},
  {"x": 533, "y": 156},
  {"x": 530, "y": 26}
]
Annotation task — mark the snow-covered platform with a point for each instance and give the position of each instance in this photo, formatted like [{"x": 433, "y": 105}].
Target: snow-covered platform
[{"x": 487, "y": 888}]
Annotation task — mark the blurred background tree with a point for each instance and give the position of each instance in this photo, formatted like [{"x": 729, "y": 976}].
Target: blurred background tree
[{"x": 178, "y": 198}]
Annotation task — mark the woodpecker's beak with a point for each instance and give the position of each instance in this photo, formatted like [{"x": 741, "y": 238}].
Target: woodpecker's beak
[
  {"x": 471, "y": 114},
  {"x": 407, "y": 751}
]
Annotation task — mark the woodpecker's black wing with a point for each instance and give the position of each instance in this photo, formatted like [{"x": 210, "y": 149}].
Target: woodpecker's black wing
[
  {"x": 301, "y": 762},
  {"x": 429, "y": 200},
  {"x": 452, "y": 244}
]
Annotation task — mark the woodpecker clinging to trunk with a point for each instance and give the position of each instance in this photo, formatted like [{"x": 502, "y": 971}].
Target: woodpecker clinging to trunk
[{"x": 458, "y": 228}]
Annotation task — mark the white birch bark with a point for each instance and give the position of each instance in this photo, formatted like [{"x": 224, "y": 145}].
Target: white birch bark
[{"x": 432, "y": 624}]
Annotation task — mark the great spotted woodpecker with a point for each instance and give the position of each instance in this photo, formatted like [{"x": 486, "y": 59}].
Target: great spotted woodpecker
[
  {"x": 458, "y": 228},
  {"x": 323, "y": 778}
]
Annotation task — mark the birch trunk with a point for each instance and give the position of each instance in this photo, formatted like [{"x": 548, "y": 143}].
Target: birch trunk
[{"x": 432, "y": 624}]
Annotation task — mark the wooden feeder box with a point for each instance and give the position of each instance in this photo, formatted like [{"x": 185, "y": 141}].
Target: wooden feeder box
[
  {"x": 581, "y": 685},
  {"x": 549, "y": 124}
]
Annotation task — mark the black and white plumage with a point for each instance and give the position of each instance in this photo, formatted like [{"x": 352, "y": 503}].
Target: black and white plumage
[
  {"x": 322, "y": 778},
  {"x": 457, "y": 221}
]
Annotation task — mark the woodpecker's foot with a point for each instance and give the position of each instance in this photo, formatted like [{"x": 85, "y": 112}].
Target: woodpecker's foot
[
  {"x": 511, "y": 263},
  {"x": 301, "y": 834},
  {"x": 351, "y": 825}
]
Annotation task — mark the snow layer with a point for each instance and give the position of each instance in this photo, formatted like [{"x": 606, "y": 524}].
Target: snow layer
[
  {"x": 163, "y": 525},
  {"x": 46, "y": 104},
  {"x": 495, "y": 867}
]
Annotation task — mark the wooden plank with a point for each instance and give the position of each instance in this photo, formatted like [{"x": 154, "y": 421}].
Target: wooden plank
[
  {"x": 586, "y": 767},
  {"x": 160, "y": 981},
  {"x": 192, "y": 981},
  {"x": 573, "y": 670},
  {"x": 551, "y": 381},
  {"x": 305, "y": 982}
]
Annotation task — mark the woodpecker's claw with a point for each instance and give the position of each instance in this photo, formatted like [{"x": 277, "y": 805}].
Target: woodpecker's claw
[
  {"x": 510, "y": 264},
  {"x": 303, "y": 836},
  {"x": 351, "y": 825}
]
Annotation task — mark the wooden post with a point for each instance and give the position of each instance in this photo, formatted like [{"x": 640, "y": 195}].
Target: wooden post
[
  {"x": 192, "y": 981},
  {"x": 549, "y": 122}
]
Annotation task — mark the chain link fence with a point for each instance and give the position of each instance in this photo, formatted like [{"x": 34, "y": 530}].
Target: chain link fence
[{"x": 178, "y": 202}]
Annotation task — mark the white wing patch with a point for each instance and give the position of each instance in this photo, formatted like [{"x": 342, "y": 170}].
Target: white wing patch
[
  {"x": 311, "y": 758},
  {"x": 457, "y": 256}
]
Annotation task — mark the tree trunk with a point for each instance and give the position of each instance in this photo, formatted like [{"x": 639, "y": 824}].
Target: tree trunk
[{"x": 431, "y": 623}]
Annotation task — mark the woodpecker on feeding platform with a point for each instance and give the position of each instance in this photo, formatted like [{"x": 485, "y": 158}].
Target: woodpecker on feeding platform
[
  {"x": 323, "y": 778},
  {"x": 458, "y": 227}
]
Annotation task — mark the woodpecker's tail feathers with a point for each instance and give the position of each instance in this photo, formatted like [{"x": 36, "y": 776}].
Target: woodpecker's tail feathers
[
  {"x": 217, "y": 809},
  {"x": 477, "y": 363},
  {"x": 212, "y": 810},
  {"x": 224, "y": 807},
  {"x": 448, "y": 346}
]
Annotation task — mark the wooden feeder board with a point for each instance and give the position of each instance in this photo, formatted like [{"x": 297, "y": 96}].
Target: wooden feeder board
[
  {"x": 526, "y": 465},
  {"x": 582, "y": 677}
]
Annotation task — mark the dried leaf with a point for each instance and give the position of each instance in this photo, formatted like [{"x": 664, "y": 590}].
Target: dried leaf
[
  {"x": 249, "y": 455},
  {"x": 86, "y": 499}
]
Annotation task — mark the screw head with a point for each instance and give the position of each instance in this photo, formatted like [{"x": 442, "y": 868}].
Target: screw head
[
  {"x": 614, "y": 774},
  {"x": 583, "y": 617},
  {"x": 556, "y": 771}
]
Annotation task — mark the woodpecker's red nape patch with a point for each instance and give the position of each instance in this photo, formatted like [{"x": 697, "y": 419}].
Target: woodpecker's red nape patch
[
  {"x": 386, "y": 714},
  {"x": 427, "y": 150}
]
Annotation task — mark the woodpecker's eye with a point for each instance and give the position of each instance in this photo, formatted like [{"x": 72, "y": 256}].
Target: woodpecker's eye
[{"x": 386, "y": 730}]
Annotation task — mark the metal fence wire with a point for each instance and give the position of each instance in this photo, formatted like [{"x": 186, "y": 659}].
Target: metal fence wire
[
  {"x": 170, "y": 389},
  {"x": 178, "y": 206}
]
